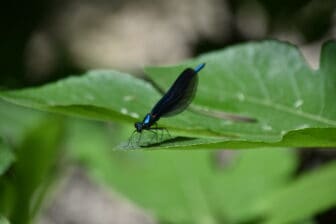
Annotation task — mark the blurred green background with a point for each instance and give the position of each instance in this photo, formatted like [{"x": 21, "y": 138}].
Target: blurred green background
[{"x": 56, "y": 169}]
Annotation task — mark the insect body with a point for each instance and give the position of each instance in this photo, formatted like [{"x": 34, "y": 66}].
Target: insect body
[{"x": 174, "y": 101}]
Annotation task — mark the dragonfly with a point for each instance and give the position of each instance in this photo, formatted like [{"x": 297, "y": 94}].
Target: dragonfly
[{"x": 174, "y": 101}]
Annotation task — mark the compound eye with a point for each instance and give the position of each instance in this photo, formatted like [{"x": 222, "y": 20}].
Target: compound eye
[{"x": 138, "y": 126}]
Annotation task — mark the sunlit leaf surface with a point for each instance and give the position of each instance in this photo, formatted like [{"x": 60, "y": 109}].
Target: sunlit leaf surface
[{"x": 269, "y": 82}]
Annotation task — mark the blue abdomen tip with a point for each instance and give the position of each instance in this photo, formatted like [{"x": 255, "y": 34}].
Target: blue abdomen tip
[{"x": 199, "y": 67}]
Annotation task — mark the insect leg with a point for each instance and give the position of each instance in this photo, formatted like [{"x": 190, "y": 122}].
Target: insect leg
[
  {"x": 130, "y": 139},
  {"x": 157, "y": 137},
  {"x": 154, "y": 135},
  {"x": 162, "y": 130},
  {"x": 139, "y": 139},
  {"x": 167, "y": 132}
]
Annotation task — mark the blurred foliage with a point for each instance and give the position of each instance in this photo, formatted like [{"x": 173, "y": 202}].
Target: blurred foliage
[
  {"x": 250, "y": 186},
  {"x": 6, "y": 157},
  {"x": 3, "y": 220},
  {"x": 30, "y": 161},
  {"x": 311, "y": 193}
]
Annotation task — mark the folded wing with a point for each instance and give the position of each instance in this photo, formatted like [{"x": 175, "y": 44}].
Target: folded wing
[{"x": 179, "y": 96}]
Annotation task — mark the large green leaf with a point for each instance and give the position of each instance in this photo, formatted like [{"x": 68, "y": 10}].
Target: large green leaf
[{"x": 268, "y": 81}]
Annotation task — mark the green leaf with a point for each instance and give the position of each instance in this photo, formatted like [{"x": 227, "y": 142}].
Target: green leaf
[
  {"x": 6, "y": 157},
  {"x": 183, "y": 187},
  {"x": 28, "y": 145},
  {"x": 102, "y": 95},
  {"x": 268, "y": 81},
  {"x": 15, "y": 121},
  {"x": 3, "y": 220},
  {"x": 308, "y": 195},
  {"x": 33, "y": 170}
]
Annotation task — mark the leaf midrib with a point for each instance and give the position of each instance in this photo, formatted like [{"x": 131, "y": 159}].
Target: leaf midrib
[{"x": 289, "y": 110}]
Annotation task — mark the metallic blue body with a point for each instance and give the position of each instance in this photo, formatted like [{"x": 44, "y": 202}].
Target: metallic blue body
[
  {"x": 147, "y": 119},
  {"x": 199, "y": 67},
  {"x": 175, "y": 100}
]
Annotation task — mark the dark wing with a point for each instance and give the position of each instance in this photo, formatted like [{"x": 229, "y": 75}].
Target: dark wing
[{"x": 179, "y": 96}]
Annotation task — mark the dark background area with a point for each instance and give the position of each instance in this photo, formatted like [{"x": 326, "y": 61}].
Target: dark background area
[{"x": 42, "y": 41}]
